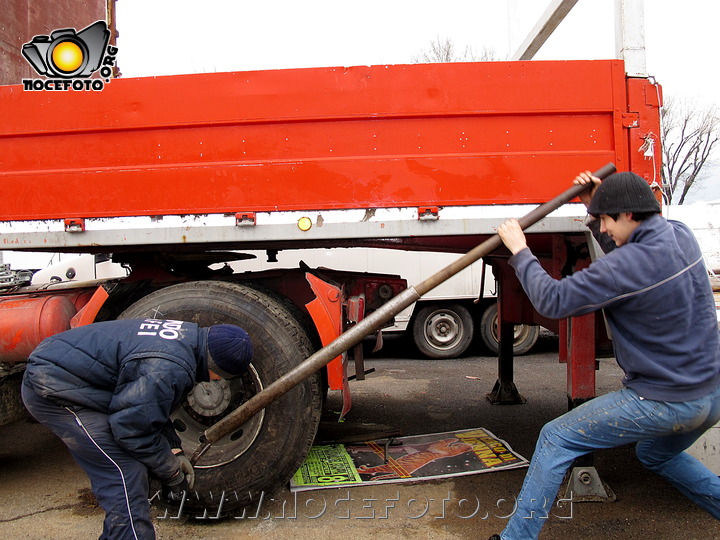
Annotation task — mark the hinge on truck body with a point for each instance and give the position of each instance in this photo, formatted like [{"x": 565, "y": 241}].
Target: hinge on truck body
[{"x": 631, "y": 120}]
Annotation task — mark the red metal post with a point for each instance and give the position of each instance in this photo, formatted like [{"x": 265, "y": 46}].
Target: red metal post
[
  {"x": 581, "y": 359},
  {"x": 581, "y": 363}
]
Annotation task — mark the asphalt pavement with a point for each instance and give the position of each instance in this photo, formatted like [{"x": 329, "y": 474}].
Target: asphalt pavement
[{"x": 43, "y": 494}]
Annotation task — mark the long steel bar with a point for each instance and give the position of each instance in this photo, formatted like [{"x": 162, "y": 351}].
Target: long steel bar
[{"x": 374, "y": 322}]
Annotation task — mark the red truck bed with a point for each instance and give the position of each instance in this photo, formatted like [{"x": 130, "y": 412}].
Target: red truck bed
[{"x": 314, "y": 139}]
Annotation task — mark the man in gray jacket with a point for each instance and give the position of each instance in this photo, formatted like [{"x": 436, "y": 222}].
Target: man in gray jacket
[{"x": 661, "y": 313}]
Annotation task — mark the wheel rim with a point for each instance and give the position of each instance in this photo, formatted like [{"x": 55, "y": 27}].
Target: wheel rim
[
  {"x": 520, "y": 332},
  {"x": 206, "y": 405},
  {"x": 443, "y": 330}
]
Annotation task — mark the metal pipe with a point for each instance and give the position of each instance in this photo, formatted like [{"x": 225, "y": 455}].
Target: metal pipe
[{"x": 374, "y": 322}]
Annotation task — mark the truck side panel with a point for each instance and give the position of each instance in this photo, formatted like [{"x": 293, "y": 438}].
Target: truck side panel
[{"x": 330, "y": 138}]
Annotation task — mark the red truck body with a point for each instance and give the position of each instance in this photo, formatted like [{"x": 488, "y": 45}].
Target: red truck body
[
  {"x": 314, "y": 139},
  {"x": 172, "y": 174}
]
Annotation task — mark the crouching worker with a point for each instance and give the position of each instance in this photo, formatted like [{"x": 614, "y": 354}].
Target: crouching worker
[
  {"x": 659, "y": 305},
  {"x": 108, "y": 389}
]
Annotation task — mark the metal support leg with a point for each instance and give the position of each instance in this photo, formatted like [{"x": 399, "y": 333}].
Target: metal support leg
[
  {"x": 505, "y": 392},
  {"x": 581, "y": 363},
  {"x": 578, "y": 338},
  {"x": 583, "y": 483}
]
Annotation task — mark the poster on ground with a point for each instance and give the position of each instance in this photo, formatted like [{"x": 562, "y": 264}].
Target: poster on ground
[{"x": 405, "y": 459}]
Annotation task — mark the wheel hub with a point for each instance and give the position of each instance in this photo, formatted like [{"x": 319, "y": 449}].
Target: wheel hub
[
  {"x": 210, "y": 398},
  {"x": 208, "y": 403},
  {"x": 442, "y": 329}
]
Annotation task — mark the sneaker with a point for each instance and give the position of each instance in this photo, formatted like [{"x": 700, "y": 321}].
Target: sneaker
[{"x": 495, "y": 537}]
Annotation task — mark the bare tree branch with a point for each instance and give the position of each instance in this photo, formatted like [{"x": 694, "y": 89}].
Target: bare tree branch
[
  {"x": 443, "y": 50},
  {"x": 691, "y": 132}
]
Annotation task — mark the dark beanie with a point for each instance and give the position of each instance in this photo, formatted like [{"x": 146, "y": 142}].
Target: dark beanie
[
  {"x": 230, "y": 350},
  {"x": 623, "y": 192}
]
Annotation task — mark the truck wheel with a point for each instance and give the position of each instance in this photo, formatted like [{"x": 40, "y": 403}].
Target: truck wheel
[
  {"x": 525, "y": 334},
  {"x": 265, "y": 452},
  {"x": 443, "y": 331}
]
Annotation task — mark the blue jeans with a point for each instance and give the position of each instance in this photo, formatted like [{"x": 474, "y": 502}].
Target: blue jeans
[
  {"x": 119, "y": 481},
  {"x": 662, "y": 431}
]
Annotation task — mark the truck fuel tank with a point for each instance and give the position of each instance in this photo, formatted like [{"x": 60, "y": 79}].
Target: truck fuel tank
[{"x": 26, "y": 320}]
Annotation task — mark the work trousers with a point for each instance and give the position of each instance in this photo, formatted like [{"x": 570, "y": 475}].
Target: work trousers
[
  {"x": 119, "y": 481},
  {"x": 662, "y": 431}
]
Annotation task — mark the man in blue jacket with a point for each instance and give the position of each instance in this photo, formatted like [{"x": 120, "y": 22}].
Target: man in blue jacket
[
  {"x": 661, "y": 313},
  {"x": 108, "y": 389}
]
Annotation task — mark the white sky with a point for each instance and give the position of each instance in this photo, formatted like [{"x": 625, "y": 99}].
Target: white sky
[{"x": 161, "y": 37}]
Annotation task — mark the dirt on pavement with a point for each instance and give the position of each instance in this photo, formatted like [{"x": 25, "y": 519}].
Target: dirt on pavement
[{"x": 43, "y": 494}]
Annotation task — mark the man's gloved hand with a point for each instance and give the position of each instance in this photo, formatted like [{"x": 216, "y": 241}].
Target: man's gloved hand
[
  {"x": 187, "y": 469},
  {"x": 184, "y": 479},
  {"x": 176, "y": 488}
]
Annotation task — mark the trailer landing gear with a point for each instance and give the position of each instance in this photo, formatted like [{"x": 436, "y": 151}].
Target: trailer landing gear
[
  {"x": 585, "y": 485},
  {"x": 505, "y": 392}
]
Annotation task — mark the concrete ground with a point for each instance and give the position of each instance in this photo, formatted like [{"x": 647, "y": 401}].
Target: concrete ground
[{"x": 43, "y": 494}]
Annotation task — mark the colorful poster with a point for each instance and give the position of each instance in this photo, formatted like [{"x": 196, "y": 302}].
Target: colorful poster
[
  {"x": 404, "y": 459},
  {"x": 326, "y": 466}
]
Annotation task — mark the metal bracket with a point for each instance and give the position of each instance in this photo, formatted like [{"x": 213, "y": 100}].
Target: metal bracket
[
  {"x": 355, "y": 313},
  {"x": 74, "y": 225},
  {"x": 14, "y": 278},
  {"x": 585, "y": 485},
  {"x": 428, "y": 213},
  {"x": 245, "y": 219}
]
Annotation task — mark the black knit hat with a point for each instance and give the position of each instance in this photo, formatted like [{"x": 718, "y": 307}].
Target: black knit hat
[
  {"x": 230, "y": 350},
  {"x": 623, "y": 192}
]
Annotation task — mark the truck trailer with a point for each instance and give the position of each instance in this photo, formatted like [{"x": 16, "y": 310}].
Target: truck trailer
[{"x": 180, "y": 176}]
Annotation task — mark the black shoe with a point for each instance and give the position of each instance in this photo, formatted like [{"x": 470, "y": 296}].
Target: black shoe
[{"x": 495, "y": 537}]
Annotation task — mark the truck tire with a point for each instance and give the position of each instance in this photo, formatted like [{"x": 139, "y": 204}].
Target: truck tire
[
  {"x": 265, "y": 452},
  {"x": 525, "y": 334},
  {"x": 443, "y": 331}
]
